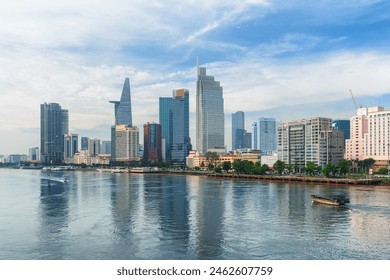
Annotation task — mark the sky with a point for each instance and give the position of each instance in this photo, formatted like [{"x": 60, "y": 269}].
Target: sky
[{"x": 274, "y": 58}]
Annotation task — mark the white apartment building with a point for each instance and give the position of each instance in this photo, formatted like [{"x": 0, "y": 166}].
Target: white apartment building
[{"x": 309, "y": 140}]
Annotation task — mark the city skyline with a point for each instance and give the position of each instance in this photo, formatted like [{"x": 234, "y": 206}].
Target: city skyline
[{"x": 78, "y": 53}]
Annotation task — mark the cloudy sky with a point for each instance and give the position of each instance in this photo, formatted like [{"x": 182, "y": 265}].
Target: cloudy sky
[{"x": 274, "y": 58}]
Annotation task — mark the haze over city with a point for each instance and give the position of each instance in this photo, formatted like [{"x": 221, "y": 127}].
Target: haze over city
[{"x": 275, "y": 59}]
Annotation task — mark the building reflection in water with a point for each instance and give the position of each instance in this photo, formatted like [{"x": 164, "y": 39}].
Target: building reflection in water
[
  {"x": 206, "y": 217},
  {"x": 54, "y": 219}
]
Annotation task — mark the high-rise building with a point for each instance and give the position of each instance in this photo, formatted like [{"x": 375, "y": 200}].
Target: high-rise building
[
  {"x": 344, "y": 126},
  {"x": 123, "y": 113},
  {"x": 247, "y": 140},
  {"x": 71, "y": 146},
  {"x": 309, "y": 140},
  {"x": 54, "y": 125},
  {"x": 124, "y": 137},
  {"x": 93, "y": 146},
  {"x": 255, "y": 136},
  {"x": 166, "y": 122},
  {"x": 356, "y": 145},
  {"x": 152, "y": 142},
  {"x": 33, "y": 154},
  {"x": 125, "y": 146},
  {"x": 84, "y": 143},
  {"x": 210, "y": 126},
  {"x": 238, "y": 130},
  {"x": 174, "y": 121},
  {"x": 105, "y": 147},
  {"x": 370, "y": 135},
  {"x": 181, "y": 142},
  {"x": 266, "y": 135}
]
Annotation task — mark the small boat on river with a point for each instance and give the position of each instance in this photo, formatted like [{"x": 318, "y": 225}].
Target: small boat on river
[{"x": 328, "y": 201}]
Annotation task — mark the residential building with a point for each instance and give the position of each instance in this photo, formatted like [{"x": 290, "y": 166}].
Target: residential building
[
  {"x": 54, "y": 125},
  {"x": 93, "y": 146},
  {"x": 309, "y": 140},
  {"x": 210, "y": 125},
  {"x": 356, "y": 145},
  {"x": 152, "y": 142},
  {"x": 125, "y": 146}
]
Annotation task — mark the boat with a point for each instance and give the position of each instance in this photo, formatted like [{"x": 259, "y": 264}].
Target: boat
[{"x": 328, "y": 201}]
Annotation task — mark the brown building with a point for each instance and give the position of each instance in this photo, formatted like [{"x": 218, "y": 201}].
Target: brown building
[{"x": 152, "y": 142}]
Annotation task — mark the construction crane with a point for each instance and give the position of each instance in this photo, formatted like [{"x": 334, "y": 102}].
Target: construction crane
[{"x": 354, "y": 102}]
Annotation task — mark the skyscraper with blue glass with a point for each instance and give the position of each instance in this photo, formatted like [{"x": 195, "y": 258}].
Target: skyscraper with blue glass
[
  {"x": 174, "y": 121},
  {"x": 54, "y": 125},
  {"x": 210, "y": 120}
]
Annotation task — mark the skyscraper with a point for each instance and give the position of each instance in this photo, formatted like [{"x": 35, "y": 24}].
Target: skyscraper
[
  {"x": 71, "y": 146},
  {"x": 124, "y": 137},
  {"x": 210, "y": 134},
  {"x": 166, "y": 122},
  {"x": 238, "y": 130},
  {"x": 152, "y": 142},
  {"x": 54, "y": 125},
  {"x": 123, "y": 113},
  {"x": 266, "y": 138},
  {"x": 181, "y": 142}
]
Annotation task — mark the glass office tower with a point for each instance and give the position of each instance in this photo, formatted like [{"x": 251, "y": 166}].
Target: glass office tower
[
  {"x": 54, "y": 125},
  {"x": 210, "y": 123}
]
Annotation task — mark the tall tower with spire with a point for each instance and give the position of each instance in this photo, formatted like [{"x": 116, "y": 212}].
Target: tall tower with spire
[
  {"x": 123, "y": 113},
  {"x": 124, "y": 136}
]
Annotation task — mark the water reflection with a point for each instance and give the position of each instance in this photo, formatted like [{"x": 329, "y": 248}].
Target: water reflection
[
  {"x": 149, "y": 216},
  {"x": 54, "y": 218}
]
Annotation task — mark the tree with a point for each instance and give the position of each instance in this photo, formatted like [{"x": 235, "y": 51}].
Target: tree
[
  {"x": 218, "y": 169},
  {"x": 329, "y": 169},
  {"x": 227, "y": 165},
  {"x": 279, "y": 166},
  {"x": 344, "y": 166},
  {"x": 212, "y": 158},
  {"x": 310, "y": 167}
]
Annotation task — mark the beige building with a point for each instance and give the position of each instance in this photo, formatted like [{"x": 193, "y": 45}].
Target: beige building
[
  {"x": 125, "y": 143},
  {"x": 195, "y": 160},
  {"x": 84, "y": 157},
  {"x": 355, "y": 146}
]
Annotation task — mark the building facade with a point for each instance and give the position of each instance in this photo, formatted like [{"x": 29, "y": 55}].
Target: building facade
[
  {"x": 238, "y": 130},
  {"x": 370, "y": 135},
  {"x": 210, "y": 124},
  {"x": 310, "y": 140},
  {"x": 34, "y": 154},
  {"x": 125, "y": 148},
  {"x": 266, "y": 140},
  {"x": 356, "y": 145},
  {"x": 344, "y": 126},
  {"x": 54, "y": 125},
  {"x": 124, "y": 137},
  {"x": 181, "y": 142},
  {"x": 152, "y": 142},
  {"x": 71, "y": 146},
  {"x": 105, "y": 147},
  {"x": 166, "y": 122}
]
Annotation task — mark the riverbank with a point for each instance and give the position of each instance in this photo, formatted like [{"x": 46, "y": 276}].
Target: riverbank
[{"x": 305, "y": 179}]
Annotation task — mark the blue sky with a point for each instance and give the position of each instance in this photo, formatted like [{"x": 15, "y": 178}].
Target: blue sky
[{"x": 283, "y": 59}]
